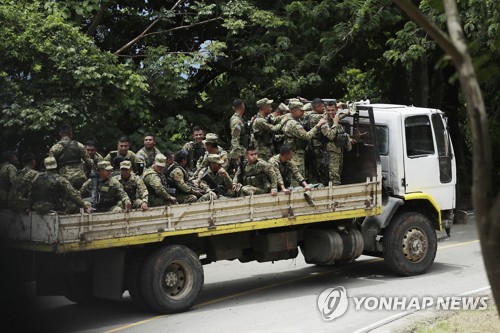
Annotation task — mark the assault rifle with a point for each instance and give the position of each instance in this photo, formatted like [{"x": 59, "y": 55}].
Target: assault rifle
[
  {"x": 217, "y": 189},
  {"x": 95, "y": 197}
]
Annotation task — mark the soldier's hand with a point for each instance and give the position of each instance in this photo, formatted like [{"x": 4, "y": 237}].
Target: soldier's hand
[
  {"x": 222, "y": 171},
  {"x": 336, "y": 119},
  {"x": 285, "y": 190},
  {"x": 274, "y": 192},
  {"x": 172, "y": 200},
  {"x": 321, "y": 122},
  {"x": 197, "y": 193},
  {"x": 307, "y": 187},
  {"x": 128, "y": 206},
  {"x": 144, "y": 206},
  {"x": 88, "y": 210}
]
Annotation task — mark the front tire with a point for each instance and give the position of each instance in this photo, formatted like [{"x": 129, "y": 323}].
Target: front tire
[
  {"x": 171, "y": 279},
  {"x": 410, "y": 244}
]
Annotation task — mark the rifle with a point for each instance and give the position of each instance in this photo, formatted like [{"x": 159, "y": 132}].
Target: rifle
[
  {"x": 95, "y": 197},
  {"x": 242, "y": 170},
  {"x": 217, "y": 189}
]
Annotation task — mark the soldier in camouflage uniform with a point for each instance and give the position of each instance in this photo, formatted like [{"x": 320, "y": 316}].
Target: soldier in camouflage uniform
[
  {"x": 147, "y": 153},
  {"x": 94, "y": 156},
  {"x": 133, "y": 185},
  {"x": 111, "y": 196},
  {"x": 216, "y": 179},
  {"x": 262, "y": 130},
  {"x": 338, "y": 140},
  {"x": 71, "y": 157},
  {"x": 8, "y": 171},
  {"x": 296, "y": 137},
  {"x": 177, "y": 177},
  {"x": 52, "y": 192},
  {"x": 256, "y": 176},
  {"x": 315, "y": 159},
  {"x": 21, "y": 187},
  {"x": 211, "y": 147},
  {"x": 287, "y": 170},
  {"x": 195, "y": 149},
  {"x": 156, "y": 183},
  {"x": 125, "y": 152},
  {"x": 240, "y": 136}
]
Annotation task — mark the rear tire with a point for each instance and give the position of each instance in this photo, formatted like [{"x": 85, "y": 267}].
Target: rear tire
[
  {"x": 410, "y": 244},
  {"x": 171, "y": 279}
]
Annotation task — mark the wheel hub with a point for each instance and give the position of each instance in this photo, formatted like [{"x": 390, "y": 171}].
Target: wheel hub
[
  {"x": 174, "y": 280},
  {"x": 171, "y": 279},
  {"x": 415, "y": 245}
]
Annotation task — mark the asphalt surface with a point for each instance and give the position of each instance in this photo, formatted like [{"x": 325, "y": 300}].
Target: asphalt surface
[{"x": 283, "y": 296}]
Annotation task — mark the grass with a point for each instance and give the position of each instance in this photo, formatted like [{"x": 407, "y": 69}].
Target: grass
[{"x": 472, "y": 321}]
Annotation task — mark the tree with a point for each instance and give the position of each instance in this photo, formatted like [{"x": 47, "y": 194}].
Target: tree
[{"x": 486, "y": 203}]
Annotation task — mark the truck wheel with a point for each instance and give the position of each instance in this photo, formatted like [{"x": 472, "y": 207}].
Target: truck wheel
[
  {"x": 171, "y": 279},
  {"x": 410, "y": 244}
]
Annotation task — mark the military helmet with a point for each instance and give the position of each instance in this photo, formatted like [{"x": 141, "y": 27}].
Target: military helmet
[{"x": 50, "y": 163}]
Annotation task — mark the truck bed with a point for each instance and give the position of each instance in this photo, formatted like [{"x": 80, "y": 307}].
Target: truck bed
[{"x": 80, "y": 232}]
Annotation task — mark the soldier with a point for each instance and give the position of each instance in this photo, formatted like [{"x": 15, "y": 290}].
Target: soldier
[
  {"x": 71, "y": 157},
  {"x": 8, "y": 171},
  {"x": 262, "y": 130},
  {"x": 133, "y": 185},
  {"x": 185, "y": 190},
  {"x": 52, "y": 192},
  {"x": 125, "y": 152},
  {"x": 296, "y": 137},
  {"x": 338, "y": 140},
  {"x": 21, "y": 187},
  {"x": 116, "y": 165},
  {"x": 216, "y": 179},
  {"x": 279, "y": 118},
  {"x": 315, "y": 154},
  {"x": 156, "y": 183},
  {"x": 256, "y": 176},
  {"x": 211, "y": 147},
  {"x": 110, "y": 194},
  {"x": 147, "y": 153},
  {"x": 240, "y": 135},
  {"x": 195, "y": 149},
  {"x": 287, "y": 170},
  {"x": 94, "y": 156}
]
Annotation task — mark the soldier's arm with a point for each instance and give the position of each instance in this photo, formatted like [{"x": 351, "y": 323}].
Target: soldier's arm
[
  {"x": 296, "y": 173},
  {"x": 301, "y": 133},
  {"x": 142, "y": 193},
  {"x": 178, "y": 177},
  {"x": 279, "y": 177},
  {"x": 271, "y": 175},
  {"x": 86, "y": 188},
  {"x": 187, "y": 146},
  {"x": 121, "y": 194},
  {"x": 235, "y": 139},
  {"x": 200, "y": 164},
  {"x": 158, "y": 188},
  {"x": 70, "y": 193},
  {"x": 224, "y": 156}
]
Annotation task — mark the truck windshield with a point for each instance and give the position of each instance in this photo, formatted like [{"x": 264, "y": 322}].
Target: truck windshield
[{"x": 419, "y": 141}]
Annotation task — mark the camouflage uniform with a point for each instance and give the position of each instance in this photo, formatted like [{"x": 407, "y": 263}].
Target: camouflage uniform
[
  {"x": 335, "y": 151},
  {"x": 156, "y": 184},
  {"x": 286, "y": 172},
  {"x": 147, "y": 156},
  {"x": 297, "y": 138},
  {"x": 195, "y": 152},
  {"x": 71, "y": 156},
  {"x": 8, "y": 173},
  {"x": 135, "y": 189},
  {"x": 263, "y": 136},
  {"x": 96, "y": 159},
  {"x": 240, "y": 139},
  {"x": 314, "y": 161},
  {"x": 178, "y": 178},
  {"x": 52, "y": 192},
  {"x": 130, "y": 156},
  {"x": 223, "y": 183},
  {"x": 20, "y": 190},
  {"x": 112, "y": 197},
  {"x": 257, "y": 178},
  {"x": 203, "y": 161}
]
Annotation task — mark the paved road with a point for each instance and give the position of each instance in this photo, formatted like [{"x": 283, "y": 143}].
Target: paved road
[{"x": 282, "y": 296}]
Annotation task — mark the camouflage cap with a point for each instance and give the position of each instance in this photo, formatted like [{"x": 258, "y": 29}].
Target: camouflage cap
[
  {"x": 104, "y": 165},
  {"x": 125, "y": 165},
  {"x": 307, "y": 107},
  {"x": 215, "y": 158},
  {"x": 296, "y": 104},
  {"x": 50, "y": 163},
  {"x": 264, "y": 101},
  {"x": 283, "y": 107},
  {"x": 211, "y": 138},
  {"x": 161, "y": 160}
]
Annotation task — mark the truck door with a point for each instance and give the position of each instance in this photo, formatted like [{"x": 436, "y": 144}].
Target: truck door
[{"x": 428, "y": 158}]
